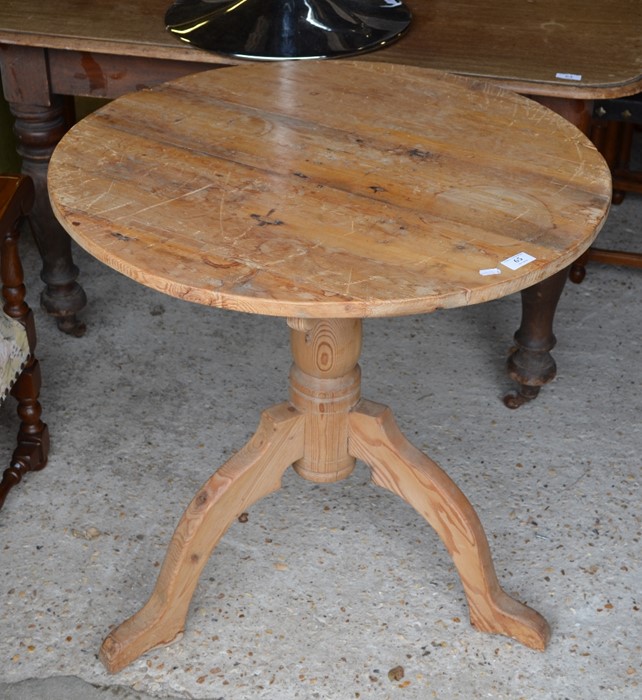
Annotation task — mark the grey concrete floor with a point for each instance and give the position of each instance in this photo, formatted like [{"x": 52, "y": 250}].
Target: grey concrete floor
[{"x": 326, "y": 588}]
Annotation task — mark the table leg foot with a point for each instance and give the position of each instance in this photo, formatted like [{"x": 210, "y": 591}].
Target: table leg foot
[
  {"x": 402, "y": 469},
  {"x": 62, "y": 300},
  {"x": 530, "y": 363},
  {"x": 252, "y": 473},
  {"x": 517, "y": 398},
  {"x": 71, "y": 325}
]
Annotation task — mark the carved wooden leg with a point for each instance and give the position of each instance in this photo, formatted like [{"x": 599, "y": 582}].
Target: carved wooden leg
[
  {"x": 401, "y": 468},
  {"x": 254, "y": 472},
  {"x": 38, "y": 129},
  {"x": 530, "y": 363},
  {"x": 33, "y": 436}
]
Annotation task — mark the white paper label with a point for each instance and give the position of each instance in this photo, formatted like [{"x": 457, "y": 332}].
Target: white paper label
[
  {"x": 568, "y": 76},
  {"x": 517, "y": 261},
  {"x": 490, "y": 271}
]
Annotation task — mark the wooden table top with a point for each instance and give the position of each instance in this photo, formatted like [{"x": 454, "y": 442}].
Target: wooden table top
[
  {"x": 525, "y": 46},
  {"x": 309, "y": 189}
]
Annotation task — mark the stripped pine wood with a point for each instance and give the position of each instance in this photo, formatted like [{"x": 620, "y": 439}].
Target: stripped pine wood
[
  {"x": 339, "y": 198},
  {"x": 317, "y": 192}
]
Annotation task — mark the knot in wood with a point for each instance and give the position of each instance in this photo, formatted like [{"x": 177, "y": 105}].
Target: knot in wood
[{"x": 328, "y": 349}]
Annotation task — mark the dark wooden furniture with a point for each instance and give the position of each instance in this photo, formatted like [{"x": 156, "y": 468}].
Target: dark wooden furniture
[
  {"x": 270, "y": 189},
  {"x": 546, "y": 49},
  {"x": 16, "y": 198},
  {"x": 612, "y": 131}
]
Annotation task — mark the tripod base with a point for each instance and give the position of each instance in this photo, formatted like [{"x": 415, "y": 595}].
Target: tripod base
[{"x": 322, "y": 431}]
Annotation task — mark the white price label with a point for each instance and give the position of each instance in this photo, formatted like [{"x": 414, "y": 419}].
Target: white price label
[
  {"x": 568, "y": 76},
  {"x": 517, "y": 261},
  {"x": 490, "y": 271}
]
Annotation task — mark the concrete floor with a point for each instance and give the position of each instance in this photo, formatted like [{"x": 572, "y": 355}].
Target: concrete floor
[{"x": 325, "y": 589}]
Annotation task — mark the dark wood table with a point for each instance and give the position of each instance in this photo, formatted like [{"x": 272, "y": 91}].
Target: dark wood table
[{"x": 566, "y": 54}]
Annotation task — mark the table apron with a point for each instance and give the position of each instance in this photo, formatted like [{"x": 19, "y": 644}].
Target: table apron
[
  {"x": 31, "y": 74},
  {"x": 25, "y": 76},
  {"x": 91, "y": 74}
]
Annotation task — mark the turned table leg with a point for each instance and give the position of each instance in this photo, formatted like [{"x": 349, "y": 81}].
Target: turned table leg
[
  {"x": 322, "y": 431},
  {"x": 38, "y": 129},
  {"x": 530, "y": 363}
]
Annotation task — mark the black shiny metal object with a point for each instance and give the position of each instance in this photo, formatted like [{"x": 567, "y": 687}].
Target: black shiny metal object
[{"x": 288, "y": 29}]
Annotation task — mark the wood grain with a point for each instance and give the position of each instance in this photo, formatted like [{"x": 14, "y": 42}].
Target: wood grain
[
  {"x": 325, "y": 384},
  {"x": 523, "y": 45},
  {"x": 321, "y": 432},
  {"x": 405, "y": 471},
  {"x": 251, "y": 474},
  {"x": 310, "y": 189}
]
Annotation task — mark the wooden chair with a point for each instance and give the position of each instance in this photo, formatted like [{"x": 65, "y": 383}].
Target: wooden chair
[
  {"x": 19, "y": 369},
  {"x": 613, "y": 128}
]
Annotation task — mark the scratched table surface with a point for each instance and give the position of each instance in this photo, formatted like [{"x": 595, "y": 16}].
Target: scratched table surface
[
  {"x": 309, "y": 189},
  {"x": 575, "y": 48}
]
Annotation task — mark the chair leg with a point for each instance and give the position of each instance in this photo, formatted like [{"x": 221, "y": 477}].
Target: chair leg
[
  {"x": 577, "y": 272},
  {"x": 16, "y": 199},
  {"x": 614, "y": 140},
  {"x": 33, "y": 435}
]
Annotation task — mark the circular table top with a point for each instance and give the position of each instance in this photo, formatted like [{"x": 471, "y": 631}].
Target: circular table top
[{"x": 330, "y": 189}]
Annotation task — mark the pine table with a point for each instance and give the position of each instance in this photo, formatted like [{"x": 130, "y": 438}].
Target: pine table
[{"x": 313, "y": 192}]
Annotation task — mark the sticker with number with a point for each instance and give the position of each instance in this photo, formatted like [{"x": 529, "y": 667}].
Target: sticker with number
[{"x": 517, "y": 261}]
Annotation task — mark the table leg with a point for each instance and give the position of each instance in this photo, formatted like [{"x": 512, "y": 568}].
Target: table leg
[
  {"x": 252, "y": 473},
  {"x": 38, "y": 130},
  {"x": 405, "y": 471},
  {"x": 530, "y": 363},
  {"x": 322, "y": 431}
]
